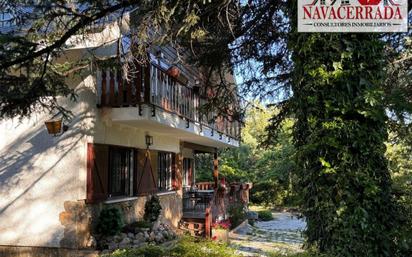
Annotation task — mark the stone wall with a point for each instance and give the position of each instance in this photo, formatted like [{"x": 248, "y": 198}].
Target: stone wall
[
  {"x": 79, "y": 219},
  {"x": 27, "y": 251}
]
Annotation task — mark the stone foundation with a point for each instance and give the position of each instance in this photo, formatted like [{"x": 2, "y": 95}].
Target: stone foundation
[
  {"x": 79, "y": 219},
  {"x": 27, "y": 251}
]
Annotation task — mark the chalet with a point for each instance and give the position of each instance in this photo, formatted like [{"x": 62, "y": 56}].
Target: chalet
[{"x": 127, "y": 139}]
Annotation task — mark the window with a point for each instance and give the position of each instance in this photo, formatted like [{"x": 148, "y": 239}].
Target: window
[
  {"x": 187, "y": 172},
  {"x": 121, "y": 171},
  {"x": 164, "y": 171}
]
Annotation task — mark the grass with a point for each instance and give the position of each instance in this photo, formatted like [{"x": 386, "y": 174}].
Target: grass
[
  {"x": 186, "y": 247},
  {"x": 302, "y": 254}
]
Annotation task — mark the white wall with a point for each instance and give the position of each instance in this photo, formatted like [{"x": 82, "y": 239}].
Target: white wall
[{"x": 39, "y": 172}]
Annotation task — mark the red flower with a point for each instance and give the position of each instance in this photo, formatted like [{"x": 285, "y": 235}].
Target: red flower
[{"x": 224, "y": 224}]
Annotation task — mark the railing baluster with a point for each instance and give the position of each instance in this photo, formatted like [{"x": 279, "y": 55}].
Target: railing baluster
[
  {"x": 120, "y": 89},
  {"x": 111, "y": 91},
  {"x": 103, "y": 95},
  {"x": 147, "y": 83}
]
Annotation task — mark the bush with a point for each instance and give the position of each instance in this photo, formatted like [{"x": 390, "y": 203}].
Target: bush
[
  {"x": 152, "y": 209},
  {"x": 265, "y": 215},
  {"x": 110, "y": 222},
  {"x": 237, "y": 215}
]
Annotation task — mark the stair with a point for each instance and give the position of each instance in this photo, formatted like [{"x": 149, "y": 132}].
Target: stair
[{"x": 195, "y": 227}]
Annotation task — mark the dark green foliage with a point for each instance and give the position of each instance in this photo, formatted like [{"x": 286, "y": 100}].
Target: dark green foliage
[
  {"x": 237, "y": 215},
  {"x": 152, "y": 209},
  {"x": 110, "y": 221},
  {"x": 339, "y": 135},
  {"x": 265, "y": 215}
]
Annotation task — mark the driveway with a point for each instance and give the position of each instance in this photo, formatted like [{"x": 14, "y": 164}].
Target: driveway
[{"x": 282, "y": 234}]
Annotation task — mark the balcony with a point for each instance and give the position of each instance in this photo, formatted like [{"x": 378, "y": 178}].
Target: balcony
[{"x": 150, "y": 91}]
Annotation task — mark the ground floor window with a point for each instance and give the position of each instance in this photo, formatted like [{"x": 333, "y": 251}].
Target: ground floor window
[
  {"x": 121, "y": 171},
  {"x": 164, "y": 171}
]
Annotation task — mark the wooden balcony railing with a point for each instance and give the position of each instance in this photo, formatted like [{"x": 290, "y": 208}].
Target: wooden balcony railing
[{"x": 152, "y": 85}]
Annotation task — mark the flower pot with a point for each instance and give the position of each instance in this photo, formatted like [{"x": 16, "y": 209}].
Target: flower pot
[
  {"x": 173, "y": 72},
  {"x": 221, "y": 235},
  {"x": 369, "y": 2}
]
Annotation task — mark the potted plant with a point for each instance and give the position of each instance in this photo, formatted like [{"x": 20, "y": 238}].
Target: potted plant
[
  {"x": 173, "y": 71},
  {"x": 220, "y": 231}
]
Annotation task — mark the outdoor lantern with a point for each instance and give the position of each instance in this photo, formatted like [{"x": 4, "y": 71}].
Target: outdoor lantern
[
  {"x": 149, "y": 140},
  {"x": 55, "y": 127}
]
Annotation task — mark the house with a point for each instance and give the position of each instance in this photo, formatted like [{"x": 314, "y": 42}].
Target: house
[{"x": 128, "y": 138}]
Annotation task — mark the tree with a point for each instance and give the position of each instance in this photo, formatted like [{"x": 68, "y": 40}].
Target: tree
[
  {"x": 271, "y": 170},
  {"x": 331, "y": 84},
  {"x": 38, "y": 35}
]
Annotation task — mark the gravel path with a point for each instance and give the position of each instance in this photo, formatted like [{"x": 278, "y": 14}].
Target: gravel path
[{"x": 282, "y": 234}]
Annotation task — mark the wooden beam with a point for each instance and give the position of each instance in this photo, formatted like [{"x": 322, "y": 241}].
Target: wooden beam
[
  {"x": 215, "y": 169},
  {"x": 199, "y": 148}
]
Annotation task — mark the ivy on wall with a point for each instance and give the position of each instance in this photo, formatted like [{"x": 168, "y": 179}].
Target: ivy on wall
[{"x": 339, "y": 135}]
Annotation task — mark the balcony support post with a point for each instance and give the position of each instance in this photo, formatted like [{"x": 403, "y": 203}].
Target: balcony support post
[{"x": 215, "y": 168}]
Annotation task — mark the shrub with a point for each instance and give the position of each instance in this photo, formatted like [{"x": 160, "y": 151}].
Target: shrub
[
  {"x": 110, "y": 222},
  {"x": 237, "y": 215},
  {"x": 152, "y": 209},
  {"x": 265, "y": 215}
]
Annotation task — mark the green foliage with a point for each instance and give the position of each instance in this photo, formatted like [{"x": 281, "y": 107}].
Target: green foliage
[
  {"x": 110, "y": 221},
  {"x": 271, "y": 170},
  {"x": 265, "y": 215},
  {"x": 187, "y": 246},
  {"x": 398, "y": 153},
  {"x": 192, "y": 247},
  {"x": 152, "y": 209},
  {"x": 237, "y": 215},
  {"x": 144, "y": 251},
  {"x": 303, "y": 254},
  {"x": 339, "y": 136}
]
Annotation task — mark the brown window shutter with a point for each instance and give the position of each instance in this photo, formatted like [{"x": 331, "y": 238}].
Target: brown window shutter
[
  {"x": 97, "y": 172},
  {"x": 146, "y": 175}
]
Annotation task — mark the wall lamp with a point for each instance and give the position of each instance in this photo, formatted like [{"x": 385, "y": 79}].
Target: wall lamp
[
  {"x": 55, "y": 127},
  {"x": 149, "y": 140}
]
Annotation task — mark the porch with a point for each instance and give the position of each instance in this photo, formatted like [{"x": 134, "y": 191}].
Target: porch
[{"x": 205, "y": 203}]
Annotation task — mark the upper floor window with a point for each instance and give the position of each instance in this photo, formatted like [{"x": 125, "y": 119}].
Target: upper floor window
[
  {"x": 164, "y": 171},
  {"x": 121, "y": 171}
]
